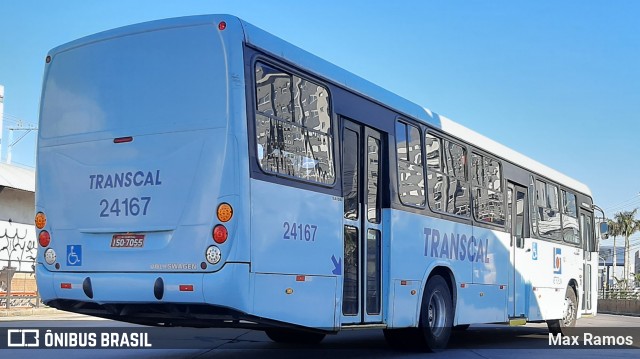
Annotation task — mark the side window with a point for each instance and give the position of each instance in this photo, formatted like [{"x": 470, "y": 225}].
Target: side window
[
  {"x": 373, "y": 173},
  {"x": 547, "y": 211},
  {"x": 448, "y": 187},
  {"x": 293, "y": 126},
  {"x": 488, "y": 191},
  {"x": 410, "y": 165},
  {"x": 570, "y": 229},
  {"x": 586, "y": 229}
]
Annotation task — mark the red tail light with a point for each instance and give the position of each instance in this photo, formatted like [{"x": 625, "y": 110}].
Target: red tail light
[
  {"x": 44, "y": 238},
  {"x": 220, "y": 234}
]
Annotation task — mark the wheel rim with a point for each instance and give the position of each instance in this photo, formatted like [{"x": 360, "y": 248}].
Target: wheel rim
[
  {"x": 436, "y": 313},
  {"x": 569, "y": 315}
]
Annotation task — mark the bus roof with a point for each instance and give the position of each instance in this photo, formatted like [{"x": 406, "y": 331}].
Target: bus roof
[
  {"x": 269, "y": 43},
  {"x": 507, "y": 153}
]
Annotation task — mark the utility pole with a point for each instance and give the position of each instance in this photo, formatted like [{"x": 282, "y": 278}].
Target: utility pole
[{"x": 20, "y": 127}]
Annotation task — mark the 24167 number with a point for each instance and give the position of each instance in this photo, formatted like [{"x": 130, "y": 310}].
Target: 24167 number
[
  {"x": 299, "y": 231},
  {"x": 133, "y": 206}
]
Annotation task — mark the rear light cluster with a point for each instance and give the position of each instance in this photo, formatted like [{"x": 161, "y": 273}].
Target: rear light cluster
[
  {"x": 44, "y": 238},
  {"x": 220, "y": 234}
]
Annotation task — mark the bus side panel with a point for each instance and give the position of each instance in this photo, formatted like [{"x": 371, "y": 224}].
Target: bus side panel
[
  {"x": 417, "y": 241},
  {"x": 417, "y": 245},
  {"x": 294, "y": 231},
  {"x": 490, "y": 250},
  {"x": 310, "y": 302},
  {"x": 546, "y": 304},
  {"x": 406, "y": 304},
  {"x": 481, "y": 303},
  {"x": 478, "y": 258},
  {"x": 551, "y": 272}
]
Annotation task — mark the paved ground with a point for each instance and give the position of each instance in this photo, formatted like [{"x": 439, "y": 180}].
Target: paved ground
[
  {"x": 478, "y": 342},
  {"x": 41, "y": 313}
]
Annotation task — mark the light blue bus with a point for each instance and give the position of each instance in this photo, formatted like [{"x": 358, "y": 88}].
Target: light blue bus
[{"x": 199, "y": 171}]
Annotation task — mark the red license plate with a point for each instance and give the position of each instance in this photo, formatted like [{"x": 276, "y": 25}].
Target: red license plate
[{"x": 127, "y": 241}]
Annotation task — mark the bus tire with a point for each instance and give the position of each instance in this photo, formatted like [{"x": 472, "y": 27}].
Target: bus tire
[
  {"x": 436, "y": 315},
  {"x": 570, "y": 315},
  {"x": 292, "y": 336}
]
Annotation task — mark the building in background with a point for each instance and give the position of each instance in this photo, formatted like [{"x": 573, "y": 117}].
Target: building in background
[
  {"x": 605, "y": 264},
  {"x": 17, "y": 232}
]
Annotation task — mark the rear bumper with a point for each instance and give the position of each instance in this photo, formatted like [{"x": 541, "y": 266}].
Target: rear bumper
[
  {"x": 230, "y": 297},
  {"x": 152, "y": 298}
]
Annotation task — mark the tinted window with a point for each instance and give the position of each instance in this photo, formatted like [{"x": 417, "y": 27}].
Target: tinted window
[
  {"x": 570, "y": 229},
  {"x": 373, "y": 272},
  {"x": 401, "y": 141},
  {"x": 350, "y": 174},
  {"x": 488, "y": 194},
  {"x": 548, "y": 215},
  {"x": 350, "y": 287},
  {"x": 448, "y": 188},
  {"x": 373, "y": 170},
  {"x": 586, "y": 228},
  {"x": 410, "y": 167},
  {"x": 293, "y": 126}
]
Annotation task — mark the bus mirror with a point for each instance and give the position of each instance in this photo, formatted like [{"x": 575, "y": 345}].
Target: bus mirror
[{"x": 604, "y": 230}]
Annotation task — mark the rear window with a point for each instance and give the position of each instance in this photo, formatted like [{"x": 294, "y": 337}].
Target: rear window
[{"x": 165, "y": 80}]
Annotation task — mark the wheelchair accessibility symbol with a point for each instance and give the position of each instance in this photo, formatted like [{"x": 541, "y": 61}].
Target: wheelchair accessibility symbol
[{"x": 74, "y": 255}]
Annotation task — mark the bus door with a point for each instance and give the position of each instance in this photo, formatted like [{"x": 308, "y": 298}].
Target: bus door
[
  {"x": 361, "y": 165},
  {"x": 590, "y": 264},
  {"x": 521, "y": 252}
]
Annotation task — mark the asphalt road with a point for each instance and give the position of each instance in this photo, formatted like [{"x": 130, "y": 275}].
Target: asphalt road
[{"x": 479, "y": 341}]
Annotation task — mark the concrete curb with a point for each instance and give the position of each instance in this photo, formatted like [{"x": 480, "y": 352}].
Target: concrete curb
[
  {"x": 20, "y": 312},
  {"x": 618, "y": 313}
]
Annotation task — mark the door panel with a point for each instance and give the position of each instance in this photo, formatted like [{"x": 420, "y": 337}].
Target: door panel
[
  {"x": 362, "y": 286},
  {"x": 590, "y": 292},
  {"x": 517, "y": 201}
]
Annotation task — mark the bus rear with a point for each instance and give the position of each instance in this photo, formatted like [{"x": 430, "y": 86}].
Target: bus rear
[{"x": 138, "y": 181}]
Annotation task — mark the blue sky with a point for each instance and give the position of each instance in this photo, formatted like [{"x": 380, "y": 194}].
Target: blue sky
[{"x": 558, "y": 81}]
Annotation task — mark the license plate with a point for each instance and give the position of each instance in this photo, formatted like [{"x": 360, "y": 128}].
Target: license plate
[{"x": 127, "y": 241}]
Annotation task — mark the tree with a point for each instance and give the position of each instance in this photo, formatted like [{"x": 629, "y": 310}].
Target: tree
[
  {"x": 613, "y": 231},
  {"x": 627, "y": 225}
]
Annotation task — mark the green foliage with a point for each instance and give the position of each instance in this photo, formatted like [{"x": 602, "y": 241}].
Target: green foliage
[{"x": 625, "y": 225}]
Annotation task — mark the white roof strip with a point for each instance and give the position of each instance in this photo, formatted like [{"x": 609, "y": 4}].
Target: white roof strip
[{"x": 489, "y": 145}]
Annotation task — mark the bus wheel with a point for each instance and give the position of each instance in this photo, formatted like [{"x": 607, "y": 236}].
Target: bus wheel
[
  {"x": 569, "y": 316},
  {"x": 292, "y": 336},
  {"x": 436, "y": 314}
]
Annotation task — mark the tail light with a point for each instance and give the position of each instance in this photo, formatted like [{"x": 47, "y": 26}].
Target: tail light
[
  {"x": 224, "y": 212},
  {"x": 41, "y": 220},
  {"x": 44, "y": 238},
  {"x": 220, "y": 234}
]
